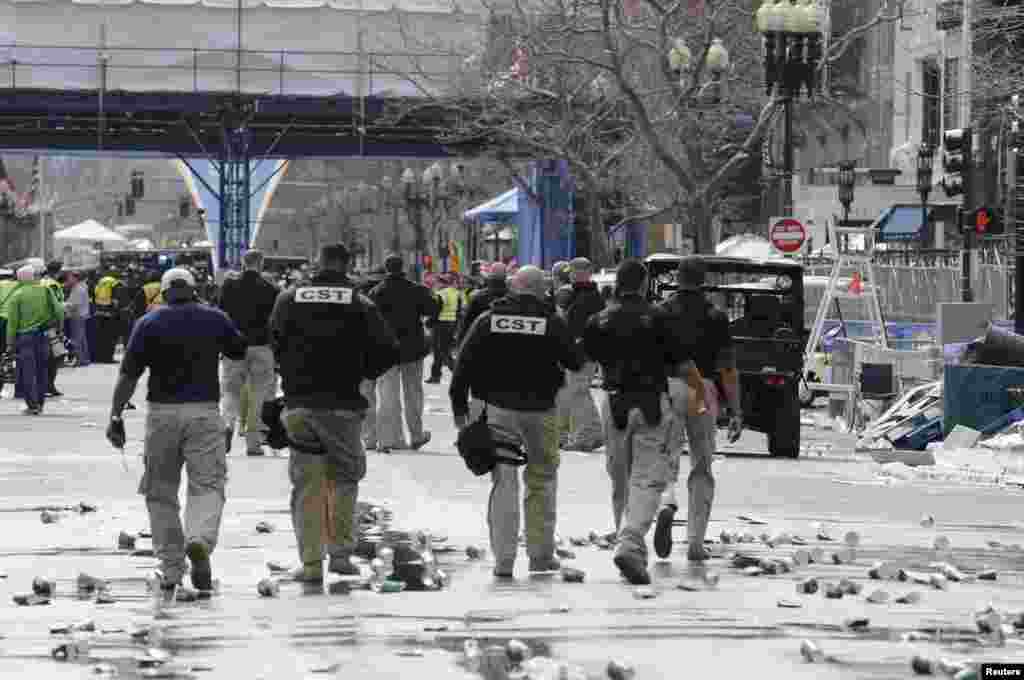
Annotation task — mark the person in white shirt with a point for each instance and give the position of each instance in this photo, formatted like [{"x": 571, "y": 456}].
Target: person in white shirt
[{"x": 77, "y": 312}]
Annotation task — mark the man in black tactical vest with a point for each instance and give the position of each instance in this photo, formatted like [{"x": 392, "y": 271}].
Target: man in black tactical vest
[
  {"x": 704, "y": 330},
  {"x": 327, "y": 339},
  {"x": 634, "y": 346},
  {"x": 514, "y": 360}
]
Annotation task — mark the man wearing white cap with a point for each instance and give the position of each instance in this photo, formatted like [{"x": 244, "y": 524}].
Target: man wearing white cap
[
  {"x": 181, "y": 344},
  {"x": 31, "y": 311}
]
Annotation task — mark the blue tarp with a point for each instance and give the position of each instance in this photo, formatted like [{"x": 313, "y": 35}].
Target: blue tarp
[
  {"x": 901, "y": 223},
  {"x": 503, "y": 209},
  {"x": 547, "y": 231}
]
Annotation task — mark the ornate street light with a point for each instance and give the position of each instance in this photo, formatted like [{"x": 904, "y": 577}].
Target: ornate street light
[
  {"x": 847, "y": 182},
  {"x": 925, "y": 166},
  {"x": 791, "y": 45}
]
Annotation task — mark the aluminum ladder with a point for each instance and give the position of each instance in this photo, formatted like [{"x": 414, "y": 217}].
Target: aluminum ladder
[{"x": 861, "y": 263}]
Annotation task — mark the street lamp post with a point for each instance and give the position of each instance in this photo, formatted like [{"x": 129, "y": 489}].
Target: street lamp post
[
  {"x": 847, "y": 183},
  {"x": 925, "y": 165},
  {"x": 792, "y": 52},
  {"x": 436, "y": 195}
]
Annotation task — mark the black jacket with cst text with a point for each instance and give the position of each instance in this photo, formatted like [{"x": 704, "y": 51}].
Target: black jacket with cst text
[
  {"x": 634, "y": 344},
  {"x": 514, "y": 356},
  {"x": 327, "y": 339}
]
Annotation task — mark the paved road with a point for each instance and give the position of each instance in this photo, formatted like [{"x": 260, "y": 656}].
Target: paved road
[{"x": 61, "y": 458}]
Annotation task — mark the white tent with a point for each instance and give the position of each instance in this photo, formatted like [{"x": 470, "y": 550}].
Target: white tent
[
  {"x": 90, "y": 231},
  {"x": 747, "y": 245}
]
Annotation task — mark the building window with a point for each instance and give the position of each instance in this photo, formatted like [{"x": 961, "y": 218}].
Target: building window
[
  {"x": 951, "y": 94},
  {"x": 931, "y": 90}
]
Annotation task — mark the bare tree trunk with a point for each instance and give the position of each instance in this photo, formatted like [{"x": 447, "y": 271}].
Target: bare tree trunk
[
  {"x": 600, "y": 250},
  {"x": 703, "y": 232}
]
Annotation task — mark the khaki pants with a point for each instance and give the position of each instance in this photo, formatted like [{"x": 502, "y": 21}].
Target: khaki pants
[
  {"x": 368, "y": 388},
  {"x": 257, "y": 368},
  {"x": 401, "y": 386},
  {"x": 191, "y": 435},
  {"x": 638, "y": 463},
  {"x": 539, "y": 430},
  {"x": 342, "y": 466},
  {"x": 700, "y": 431},
  {"x": 580, "y": 414}
]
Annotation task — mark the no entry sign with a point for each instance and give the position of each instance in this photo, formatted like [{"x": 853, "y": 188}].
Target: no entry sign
[{"x": 787, "y": 234}]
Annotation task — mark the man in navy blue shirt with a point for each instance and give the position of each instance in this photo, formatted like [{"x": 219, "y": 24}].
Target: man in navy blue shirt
[{"x": 181, "y": 344}]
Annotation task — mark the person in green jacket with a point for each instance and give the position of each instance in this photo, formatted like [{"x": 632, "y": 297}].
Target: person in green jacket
[
  {"x": 31, "y": 312},
  {"x": 7, "y": 289}
]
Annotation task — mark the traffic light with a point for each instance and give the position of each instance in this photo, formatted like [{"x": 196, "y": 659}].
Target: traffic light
[
  {"x": 138, "y": 185},
  {"x": 986, "y": 221},
  {"x": 129, "y": 206},
  {"x": 958, "y": 162}
]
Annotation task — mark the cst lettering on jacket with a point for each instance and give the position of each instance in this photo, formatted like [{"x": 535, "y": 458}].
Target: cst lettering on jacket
[
  {"x": 527, "y": 325},
  {"x": 330, "y": 295}
]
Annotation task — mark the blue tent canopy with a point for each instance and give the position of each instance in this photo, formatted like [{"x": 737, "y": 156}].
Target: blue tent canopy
[{"x": 503, "y": 208}]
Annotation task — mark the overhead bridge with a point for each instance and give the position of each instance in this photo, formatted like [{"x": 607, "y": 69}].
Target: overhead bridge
[{"x": 234, "y": 81}]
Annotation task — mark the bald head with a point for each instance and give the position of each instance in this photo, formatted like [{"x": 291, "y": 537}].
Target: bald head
[{"x": 528, "y": 280}]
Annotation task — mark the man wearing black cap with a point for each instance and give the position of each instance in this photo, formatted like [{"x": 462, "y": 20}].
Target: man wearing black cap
[
  {"x": 404, "y": 305},
  {"x": 328, "y": 338},
  {"x": 181, "y": 344},
  {"x": 635, "y": 348},
  {"x": 704, "y": 331}
]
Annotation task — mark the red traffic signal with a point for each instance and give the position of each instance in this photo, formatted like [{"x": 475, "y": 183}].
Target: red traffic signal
[{"x": 982, "y": 220}]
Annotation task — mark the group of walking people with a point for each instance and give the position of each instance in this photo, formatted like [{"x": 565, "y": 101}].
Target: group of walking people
[{"x": 526, "y": 355}]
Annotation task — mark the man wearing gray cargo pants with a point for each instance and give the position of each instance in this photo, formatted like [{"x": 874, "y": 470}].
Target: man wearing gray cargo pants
[
  {"x": 248, "y": 300},
  {"x": 513, "y": 361},
  {"x": 704, "y": 331},
  {"x": 180, "y": 344}
]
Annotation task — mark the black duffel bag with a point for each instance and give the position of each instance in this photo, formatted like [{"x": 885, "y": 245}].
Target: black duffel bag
[
  {"x": 277, "y": 434},
  {"x": 482, "y": 446}
]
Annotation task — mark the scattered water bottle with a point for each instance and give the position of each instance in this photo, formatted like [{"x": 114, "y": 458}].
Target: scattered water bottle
[
  {"x": 473, "y": 655},
  {"x": 387, "y": 557}
]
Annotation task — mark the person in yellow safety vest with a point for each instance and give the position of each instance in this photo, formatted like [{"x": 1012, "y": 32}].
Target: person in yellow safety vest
[
  {"x": 107, "y": 318},
  {"x": 51, "y": 281},
  {"x": 444, "y": 329},
  {"x": 151, "y": 291}
]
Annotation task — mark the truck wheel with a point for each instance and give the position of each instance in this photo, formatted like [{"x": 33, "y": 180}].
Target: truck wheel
[{"x": 784, "y": 440}]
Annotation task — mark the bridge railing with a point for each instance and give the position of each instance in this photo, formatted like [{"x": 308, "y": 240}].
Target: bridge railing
[{"x": 280, "y": 72}]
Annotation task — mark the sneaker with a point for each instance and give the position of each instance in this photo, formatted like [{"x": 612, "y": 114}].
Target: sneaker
[
  {"x": 309, "y": 573},
  {"x": 202, "y": 573},
  {"x": 433, "y": 381},
  {"x": 420, "y": 443},
  {"x": 663, "y": 531},
  {"x": 589, "y": 447},
  {"x": 370, "y": 446},
  {"x": 633, "y": 569},
  {"x": 31, "y": 411},
  {"x": 542, "y": 564},
  {"x": 129, "y": 406},
  {"x": 504, "y": 573},
  {"x": 342, "y": 566},
  {"x": 254, "y": 452},
  {"x": 54, "y": 392},
  {"x": 229, "y": 434},
  {"x": 384, "y": 449}
]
